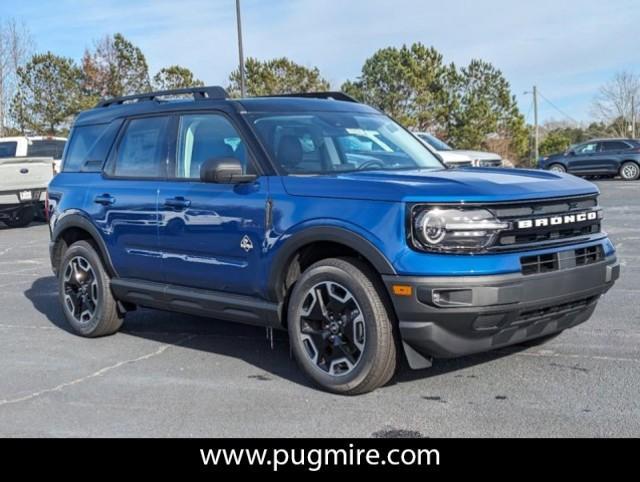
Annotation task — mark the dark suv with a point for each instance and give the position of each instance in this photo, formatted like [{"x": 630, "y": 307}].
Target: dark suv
[
  {"x": 599, "y": 157},
  {"x": 321, "y": 216}
]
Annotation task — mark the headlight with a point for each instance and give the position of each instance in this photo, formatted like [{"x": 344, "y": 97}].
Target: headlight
[{"x": 449, "y": 229}]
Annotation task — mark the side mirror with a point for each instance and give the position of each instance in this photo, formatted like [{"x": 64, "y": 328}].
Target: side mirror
[
  {"x": 571, "y": 152},
  {"x": 227, "y": 170}
]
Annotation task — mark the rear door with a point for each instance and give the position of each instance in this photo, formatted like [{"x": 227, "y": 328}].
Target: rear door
[
  {"x": 211, "y": 235},
  {"x": 612, "y": 154},
  {"x": 123, "y": 204}
]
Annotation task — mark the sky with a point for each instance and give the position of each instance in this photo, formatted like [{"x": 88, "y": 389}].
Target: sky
[{"x": 568, "y": 48}]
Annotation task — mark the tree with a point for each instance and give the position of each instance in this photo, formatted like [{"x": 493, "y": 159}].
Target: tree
[
  {"x": 15, "y": 45},
  {"x": 175, "y": 77},
  {"x": 485, "y": 108},
  {"x": 618, "y": 101},
  {"x": 411, "y": 84},
  {"x": 277, "y": 76},
  {"x": 555, "y": 142},
  {"x": 116, "y": 67},
  {"x": 48, "y": 94}
]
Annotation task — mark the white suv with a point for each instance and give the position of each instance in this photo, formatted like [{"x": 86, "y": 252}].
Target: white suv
[{"x": 473, "y": 158}]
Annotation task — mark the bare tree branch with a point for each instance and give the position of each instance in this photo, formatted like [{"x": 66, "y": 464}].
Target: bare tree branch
[
  {"x": 614, "y": 102},
  {"x": 16, "y": 45}
]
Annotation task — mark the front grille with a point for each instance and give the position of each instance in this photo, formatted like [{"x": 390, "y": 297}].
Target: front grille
[
  {"x": 553, "y": 222},
  {"x": 544, "y": 263},
  {"x": 459, "y": 164},
  {"x": 491, "y": 163}
]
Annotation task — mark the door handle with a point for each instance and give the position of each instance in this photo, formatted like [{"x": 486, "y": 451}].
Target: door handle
[
  {"x": 104, "y": 199},
  {"x": 177, "y": 202}
]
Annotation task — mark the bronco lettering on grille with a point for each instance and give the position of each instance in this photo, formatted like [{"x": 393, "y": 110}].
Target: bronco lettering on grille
[{"x": 558, "y": 220}]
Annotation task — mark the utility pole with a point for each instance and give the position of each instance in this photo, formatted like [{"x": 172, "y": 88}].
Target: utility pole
[
  {"x": 535, "y": 123},
  {"x": 633, "y": 116},
  {"x": 243, "y": 88}
]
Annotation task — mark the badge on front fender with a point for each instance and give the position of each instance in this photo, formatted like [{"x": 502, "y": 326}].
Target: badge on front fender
[{"x": 246, "y": 243}]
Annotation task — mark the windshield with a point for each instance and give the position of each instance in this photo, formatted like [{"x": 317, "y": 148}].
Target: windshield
[
  {"x": 329, "y": 142},
  {"x": 434, "y": 142}
]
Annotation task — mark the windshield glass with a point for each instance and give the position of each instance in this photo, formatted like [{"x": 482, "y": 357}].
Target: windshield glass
[{"x": 328, "y": 142}]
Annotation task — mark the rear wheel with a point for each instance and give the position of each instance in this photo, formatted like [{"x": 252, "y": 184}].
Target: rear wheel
[
  {"x": 340, "y": 330},
  {"x": 85, "y": 295},
  {"x": 22, "y": 217},
  {"x": 557, "y": 168},
  {"x": 629, "y": 171}
]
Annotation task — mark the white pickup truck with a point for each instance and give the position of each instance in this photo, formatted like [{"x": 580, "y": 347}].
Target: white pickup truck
[{"x": 27, "y": 164}]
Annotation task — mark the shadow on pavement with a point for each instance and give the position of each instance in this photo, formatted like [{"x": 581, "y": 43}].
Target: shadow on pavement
[{"x": 244, "y": 342}]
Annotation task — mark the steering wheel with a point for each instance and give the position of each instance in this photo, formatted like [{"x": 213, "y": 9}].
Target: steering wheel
[{"x": 371, "y": 163}]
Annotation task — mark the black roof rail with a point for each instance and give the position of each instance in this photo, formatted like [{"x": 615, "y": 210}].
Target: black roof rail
[
  {"x": 199, "y": 93},
  {"x": 318, "y": 95}
]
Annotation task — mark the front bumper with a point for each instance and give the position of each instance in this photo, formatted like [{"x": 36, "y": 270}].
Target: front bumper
[{"x": 446, "y": 317}]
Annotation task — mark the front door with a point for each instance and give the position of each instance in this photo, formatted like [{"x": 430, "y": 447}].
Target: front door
[
  {"x": 584, "y": 158},
  {"x": 211, "y": 235}
]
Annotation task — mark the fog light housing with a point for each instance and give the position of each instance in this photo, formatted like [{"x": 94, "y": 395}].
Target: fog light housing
[{"x": 449, "y": 298}]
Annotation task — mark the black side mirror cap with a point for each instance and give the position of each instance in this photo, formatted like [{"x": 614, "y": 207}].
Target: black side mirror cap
[{"x": 226, "y": 170}]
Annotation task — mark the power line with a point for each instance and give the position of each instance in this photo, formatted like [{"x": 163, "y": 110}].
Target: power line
[{"x": 558, "y": 108}]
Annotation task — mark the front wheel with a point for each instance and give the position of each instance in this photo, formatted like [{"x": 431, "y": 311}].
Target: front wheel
[
  {"x": 340, "y": 330},
  {"x": 85, "y": 294},
  {"x": 629, "y": 171},
  {"x": 557, "y": 168}
]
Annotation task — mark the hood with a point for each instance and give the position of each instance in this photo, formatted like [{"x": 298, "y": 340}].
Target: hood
[
  {"x": 481, "y": 155},
  {"x": 454, "y": 157},
  {"x": 555, "y": 155},
  {"x": 442, "y": 185}
]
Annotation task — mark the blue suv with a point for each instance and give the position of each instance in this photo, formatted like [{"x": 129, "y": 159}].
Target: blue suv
[
  {"x": 598, "y": 157},
  {"x": 321, "y": 216}
]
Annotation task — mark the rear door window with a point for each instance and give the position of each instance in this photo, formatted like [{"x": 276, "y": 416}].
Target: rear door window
[
  {"x": 142, "y": 151},
  {"x": 8, "y": 149},
  {"x": 615, "y": 146}
]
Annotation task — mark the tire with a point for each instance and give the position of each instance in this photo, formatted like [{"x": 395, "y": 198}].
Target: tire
[
  {"x": 541, "y": 340},
  {"x": 557, "y": 168},
  {"x": 97, "y": 313},
  {"x": 629, "y": 171},
  {"x": 362, "y": 355},
  {"x": 22, "y": 217}
]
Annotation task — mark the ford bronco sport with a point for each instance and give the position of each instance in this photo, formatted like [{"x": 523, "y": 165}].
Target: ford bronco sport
[{"x": 287, "y": 212}]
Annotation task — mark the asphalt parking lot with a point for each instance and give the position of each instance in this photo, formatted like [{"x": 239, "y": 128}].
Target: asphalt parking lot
[{"x": 176, "y": 375}]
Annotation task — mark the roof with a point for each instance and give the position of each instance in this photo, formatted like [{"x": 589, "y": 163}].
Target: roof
[
  {"x": 31, "y": 138},
  {"x": 108, "y": 110},
  {"x": 603, "y": 139}
]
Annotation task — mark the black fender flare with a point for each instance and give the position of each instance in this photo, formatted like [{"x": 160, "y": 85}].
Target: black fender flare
[
  {"x": 76, "y": 220},
  {"x": 318, "y": 234}
]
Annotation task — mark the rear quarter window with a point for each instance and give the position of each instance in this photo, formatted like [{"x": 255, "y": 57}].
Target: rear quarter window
[{"x": 89, "y": 143}]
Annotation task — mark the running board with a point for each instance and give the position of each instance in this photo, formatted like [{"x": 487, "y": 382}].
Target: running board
[{"x": 212, "y": 304}]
